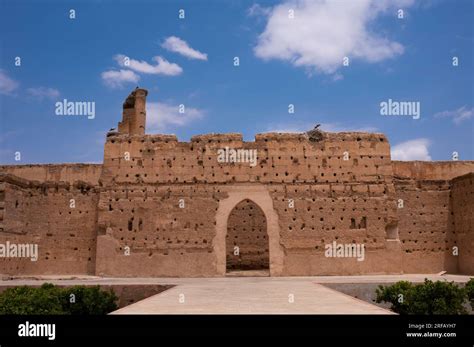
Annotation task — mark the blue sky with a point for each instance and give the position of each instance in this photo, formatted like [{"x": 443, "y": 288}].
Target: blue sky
[{"x": 283, "y": 61}]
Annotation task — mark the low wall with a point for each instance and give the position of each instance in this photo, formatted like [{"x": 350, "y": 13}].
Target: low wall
[
  {"x": 70, "y": 173},
  {"x": 431, "y": 170}
]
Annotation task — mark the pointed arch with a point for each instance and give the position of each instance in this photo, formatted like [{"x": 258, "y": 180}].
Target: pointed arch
[
  {"x": 261, "y": 197},
  {"x": 247, "y": 238}
]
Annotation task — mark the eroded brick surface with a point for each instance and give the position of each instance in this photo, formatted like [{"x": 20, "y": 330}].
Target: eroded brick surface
[{"x": 160, "y": 207}]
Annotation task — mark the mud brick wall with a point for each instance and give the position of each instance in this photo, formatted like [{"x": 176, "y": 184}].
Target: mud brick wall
[
  {"x": 426, "y": 222},
  {"x": 40, "y": 213},
  {"x": 336, "y": 200},
  {"x": 156, "y": 230},
  {"x": 247, "y": 230},
  {"x": 282, "y": 158},
  {"x": 426, "y": 226},
  {"x": 344, "y": 213},
  {"x": 462, "y": 204},
  {"x": 160, "y": 207},
  {"x": 431, "y": 170},
  {"x": 89, "y": 173}
]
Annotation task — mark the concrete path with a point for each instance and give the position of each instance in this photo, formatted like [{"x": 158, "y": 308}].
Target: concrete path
[
  {"x": 256, "y": 295},
  {"x": 244, "y": 294}
]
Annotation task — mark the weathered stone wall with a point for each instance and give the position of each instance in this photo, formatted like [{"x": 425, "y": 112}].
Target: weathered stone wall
[
  {"x": 70, "y": 173},
  {"x": 159, "y": 207},
  {"x": 57, "y": 216},
  {"x": 350, "y": 214},
  {"x": 462, "y": 204},
  {"x": 426, "y": 223},
  {"x": 282, "y": 158},
  {"x": 425, "y": 226},
  {"x": 341, "y": 187},
  {"x": 431, "y": 170},
  {"x": 151, "y": 230}
]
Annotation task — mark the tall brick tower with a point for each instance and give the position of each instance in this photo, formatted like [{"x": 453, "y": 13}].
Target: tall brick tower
[{"x": 134, "y": 113}]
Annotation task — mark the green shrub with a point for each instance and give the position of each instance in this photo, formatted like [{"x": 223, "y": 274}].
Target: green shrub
[
  {"x": 427, "y": 298},
  {"x": 397, "y": 294},
  {"x": 28, "y": 300},
  {"x": 89, "y": 300},
  {"x": 470, "y": 291},
  {"x": 51, "y": 299}
]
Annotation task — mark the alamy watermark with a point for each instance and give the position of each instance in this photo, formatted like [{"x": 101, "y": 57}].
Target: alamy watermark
[
  {"x": 28, "y": 329},
  {"x": 345, "y": 250},
  {"x": 400, "y": 108},
  {"x": 19, "y": 250},
  {"x": 75, "y": 108},
  {"x": 230, "y": 155}
]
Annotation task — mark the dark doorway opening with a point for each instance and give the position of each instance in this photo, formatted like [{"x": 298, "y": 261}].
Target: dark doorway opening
[{"x": 247, "y": 249}]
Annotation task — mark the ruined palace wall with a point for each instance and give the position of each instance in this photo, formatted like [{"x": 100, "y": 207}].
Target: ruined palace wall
[
  {"x": 282, "y": 158},
  {"x": 158, "y": 208},
  {"x": 347, "y": 201},
  {"x": 151, "y": 230},
  {"x": 345, "y": 214},
  {"x": 431, "y": 170},
  {"x": 425, "y": 226},
  {"x": 89, "y": 173},
  {"x": 462, "y": 204},
  {"x": 426, "y": 222},
  {"x": 42, "y": 214}
]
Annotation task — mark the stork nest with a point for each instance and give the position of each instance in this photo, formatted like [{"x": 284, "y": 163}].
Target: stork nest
[{"x": 315, "y": 135}]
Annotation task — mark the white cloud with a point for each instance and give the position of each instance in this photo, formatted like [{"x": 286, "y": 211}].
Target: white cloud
[
  {"x": 162, "y": 116},
  {"x": 257, "y": 10},
  {"x": 7, "y": 85},
  {"x": 411, "y": 150},
  {"x": 117, "y": 78},
  {"x": 323, "y": 32},
  {"x": 459, "y": 115},
  {"x": 162, "y": 67},
  {"x": 43, "y": 92},
  {"x": 175, "y": 44}
]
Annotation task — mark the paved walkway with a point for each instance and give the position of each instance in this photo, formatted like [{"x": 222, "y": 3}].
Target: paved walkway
[
  {"x": 244, "y": 294},
  {"x": 256, "y": 295}
]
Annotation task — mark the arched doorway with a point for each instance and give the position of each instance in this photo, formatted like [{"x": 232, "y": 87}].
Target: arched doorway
[
  {"x": 259, "y": 194},
  {"x": 247, "y": 246}
]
